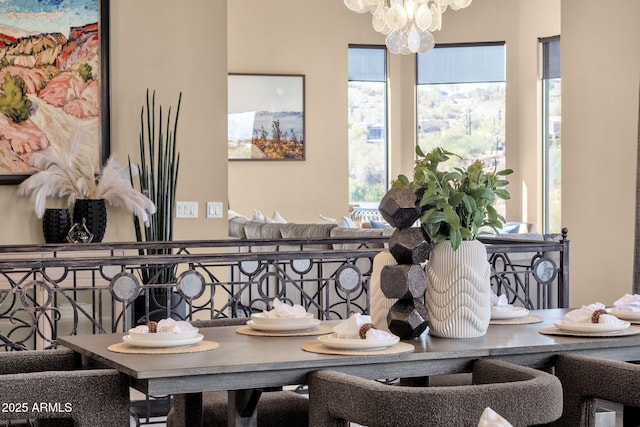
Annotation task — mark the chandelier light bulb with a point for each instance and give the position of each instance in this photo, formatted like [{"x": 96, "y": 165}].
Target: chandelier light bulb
[
  {"x": 379, "y": 20},
  {"x": 410, "y": 8},
  {"x": 397, "y": 16},
  {"x": 436, "y": 18},
  {"x": 358, "y": 6},
  {"x": 423, "y": 17},
  {"x": 413, "y": 39},
  {"x": 427, "y": 42},
  {"x": 459, "y": 4}
]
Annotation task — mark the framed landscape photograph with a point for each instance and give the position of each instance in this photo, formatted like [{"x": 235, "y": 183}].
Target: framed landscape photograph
[
  {"x": 266, "y": 117},
  {"x": 54, "y": 74}
]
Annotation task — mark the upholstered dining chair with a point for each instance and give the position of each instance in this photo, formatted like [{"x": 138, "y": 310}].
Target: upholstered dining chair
[
  {"x": 585, "y": 379},
  {"x": 47, "y": 387},
  {"x": 522, "y": 395},
  {"x": 275, "y": 408}
]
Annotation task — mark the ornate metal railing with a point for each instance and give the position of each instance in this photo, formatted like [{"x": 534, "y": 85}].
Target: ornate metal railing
[
  {"x": 531, "y": 273},
  {"x": 51, "y": 290}
]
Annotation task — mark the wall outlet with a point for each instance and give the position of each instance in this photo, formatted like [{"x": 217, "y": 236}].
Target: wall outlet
[
  {"x": 214, "y": 209},
  {"x": 186, "y": 209}
]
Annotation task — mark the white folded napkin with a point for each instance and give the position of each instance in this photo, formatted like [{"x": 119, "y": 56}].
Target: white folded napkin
[
  {"x": 284, "y": 311},
  {"x": 491, "y": 418},
  {"x": 500, "y": 303},
  {"x": 350, "y": 328},
  {"x": 172, "y": 326},
  {"x": 166, "y": 326},
  {"x": 628, "y": 303},
  {"x": 583, "y": 314}
]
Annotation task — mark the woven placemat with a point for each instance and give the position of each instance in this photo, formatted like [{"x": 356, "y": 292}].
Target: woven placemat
[
  {"x": 631, "y": 330},
  {"x": 317, "y": 347},
  {"x": 318, "y": 330},
  {"x": 531, "y": 318},
  {"x": 130, "y": 349}
]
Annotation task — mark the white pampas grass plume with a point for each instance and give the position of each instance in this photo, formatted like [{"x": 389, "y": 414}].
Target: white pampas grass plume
[
  {"x": 114, "y": 185},
  {"x": 71, "y": 174}
]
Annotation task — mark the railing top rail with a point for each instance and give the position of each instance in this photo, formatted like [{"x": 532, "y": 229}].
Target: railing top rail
[
  {"x": 185, "y": 258},
  {"x": 184, "y": 247},
  {"x": 186, "y": 244}
]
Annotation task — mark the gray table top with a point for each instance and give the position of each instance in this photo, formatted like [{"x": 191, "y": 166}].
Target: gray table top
[{"x": 243, "y": 362}]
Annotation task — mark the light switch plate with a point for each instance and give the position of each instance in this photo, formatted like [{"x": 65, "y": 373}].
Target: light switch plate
[
  {"x": 214, "y": 209},
  {"x": 186, "y": 209}
]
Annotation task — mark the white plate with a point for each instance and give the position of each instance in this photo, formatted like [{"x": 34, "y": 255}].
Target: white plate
[
  {"x": 514, "y": 313},
  {"x": 160, "y": 344},
  {"x": 298, "y": 325},
  {"x": 625, "y": 315},
  {"x": 591, "y": 327},
  {"x": 259, "y": 318},
  {"x": 356, "y": 344},
  {"x": 163, "y": 336}
]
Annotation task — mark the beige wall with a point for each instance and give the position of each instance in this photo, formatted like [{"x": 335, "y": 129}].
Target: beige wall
[
  {"x": 600, "y": 75},
  {"x": 310, "y": 38},
  {"x": 255, "y": 47},
  {"x": 171, "y": 47},
  {"x": 190, "y": 46}
]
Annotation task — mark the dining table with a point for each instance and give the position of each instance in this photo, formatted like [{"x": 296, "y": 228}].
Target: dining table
[{"x": 242, "y": 363}]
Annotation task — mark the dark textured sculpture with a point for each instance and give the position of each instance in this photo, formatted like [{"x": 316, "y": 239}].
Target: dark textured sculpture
[
  {"x": 408, "y": 318},
  {"x": 408, "y": 246},
  {"x": 399, "y": 207},
  {"x": 405, "y": 281}
]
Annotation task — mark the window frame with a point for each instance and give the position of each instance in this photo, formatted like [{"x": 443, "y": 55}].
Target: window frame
[
  {"x": 386, "y": 134},
  {"x": 546, "y": 74}
]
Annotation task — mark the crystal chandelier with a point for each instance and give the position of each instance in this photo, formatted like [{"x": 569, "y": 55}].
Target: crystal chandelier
[{"x": 407, "y": 23}]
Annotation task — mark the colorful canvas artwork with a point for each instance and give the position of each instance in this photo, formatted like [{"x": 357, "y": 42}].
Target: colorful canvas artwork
[{"x": 52, "y": 79}]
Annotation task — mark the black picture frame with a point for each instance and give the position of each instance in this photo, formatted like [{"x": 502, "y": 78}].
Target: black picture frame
[
  {"x": 104, "y": 120},
  {"x": 266, "y": 117}
]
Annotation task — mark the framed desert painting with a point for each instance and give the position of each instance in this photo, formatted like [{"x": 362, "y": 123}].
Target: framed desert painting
[
  {"x": 54, "y": 76},
  {"x": 266, "y": 117}
]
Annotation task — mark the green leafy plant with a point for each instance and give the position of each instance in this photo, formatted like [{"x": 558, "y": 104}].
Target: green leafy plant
[
  {"x": 455, "y": 204},
  {"x": 158, "y": 178}
]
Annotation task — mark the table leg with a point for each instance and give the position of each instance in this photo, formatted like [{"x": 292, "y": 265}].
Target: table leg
[
  {"x": 242, "y": 408},
  {"x": 193, "y": 411},
  {"x": 630, "y": 416}
]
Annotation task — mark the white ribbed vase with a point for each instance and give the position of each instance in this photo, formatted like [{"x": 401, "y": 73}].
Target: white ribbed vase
[{"x": 458, "y": 290}]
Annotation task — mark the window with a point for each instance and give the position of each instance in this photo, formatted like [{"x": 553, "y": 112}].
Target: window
[
  {"x": 551, "y": 132},
  {"x": 368, "y": 171},
  {"x": 461, "y": 103}
]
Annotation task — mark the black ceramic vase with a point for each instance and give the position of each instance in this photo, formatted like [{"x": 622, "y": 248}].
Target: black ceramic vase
[
  {"x": 94, "y": 212},
  {"x": 55, "y": 225}
]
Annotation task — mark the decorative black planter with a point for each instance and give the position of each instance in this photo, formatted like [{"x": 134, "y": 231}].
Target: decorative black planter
[
  {"x": 55, "y": 225},
  {"x": 94, "y": 211},
  {"x": 158, "y": 301}
]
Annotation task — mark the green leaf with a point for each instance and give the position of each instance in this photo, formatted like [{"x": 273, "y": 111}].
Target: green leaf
[
  {"x": 456, "y": 239},
  {"x": 432, "y": 216},
  {"x": 451, "y": 217},
  {"x": 504, "y": 172},
  {"x": 456, "y": 198},
  {"x": 503, "y": 194},
  {"x": 419, "y": 151}
]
